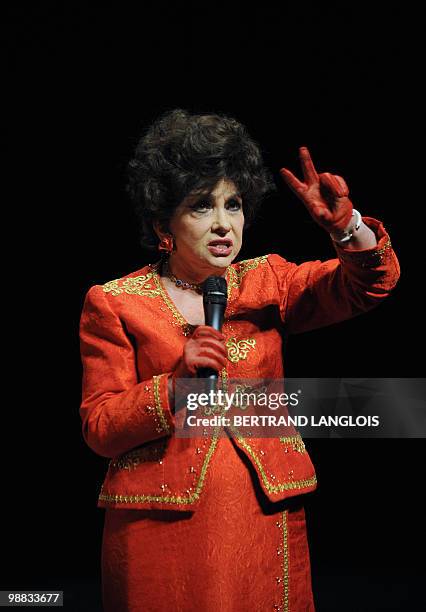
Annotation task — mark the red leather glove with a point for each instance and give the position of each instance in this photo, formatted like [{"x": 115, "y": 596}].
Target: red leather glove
[
  {"x": 324, "y": 195},
  {"x": 205, "y": 349}
]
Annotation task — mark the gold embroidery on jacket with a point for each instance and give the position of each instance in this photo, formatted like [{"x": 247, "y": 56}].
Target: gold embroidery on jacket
[
  {"x": 285, "y": 561},
  {"x": 187, "y": 328},
  {"x": 233, "y": 278},
  {"x": 296, "y": 442},
  {"x": 138, "y": 285},
  {"x": 149, "y": 285},
  {"x": 171, "y": 499},
  {"x": 366, "y": 260},
  {"x": 168, "y": 499},
  {"x": 152, "y": 451},
  {"x": 238, "y": 349},
  {"x": 237, "y": 274},
  {"x": 234, "y": 281},
  {"x": 245, "y": 392},
  {"x": 163, "y": 421},
  {"x": 281, "y": 486}
]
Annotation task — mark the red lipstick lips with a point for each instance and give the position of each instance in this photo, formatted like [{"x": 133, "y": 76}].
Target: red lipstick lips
[{"x": 220, "y": 247}]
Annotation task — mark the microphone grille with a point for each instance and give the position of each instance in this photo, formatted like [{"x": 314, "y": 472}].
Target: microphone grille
[{"x": 216, "y": 284}]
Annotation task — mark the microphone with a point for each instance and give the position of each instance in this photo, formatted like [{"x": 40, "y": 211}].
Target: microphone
[{"x": 215, "y": 298}]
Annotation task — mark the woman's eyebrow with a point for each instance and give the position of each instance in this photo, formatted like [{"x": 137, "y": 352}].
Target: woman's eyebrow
[{"x": 209, "y": 195}]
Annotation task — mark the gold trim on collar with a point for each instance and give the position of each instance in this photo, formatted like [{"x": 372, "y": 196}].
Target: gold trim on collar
[
  {"x": 149, "y": 285},
  {"x": 133, "y": 285},
  {"x": 242, "y": 267},
  {"x": 180, "y": 320},
  {"x": 233, "y": 278}
]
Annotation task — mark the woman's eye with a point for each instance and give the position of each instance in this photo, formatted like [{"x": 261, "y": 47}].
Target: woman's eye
[
  {"x": 204, "y": 205},
  {"x": 234, "y": 204},
  {"x": 201, "y": 206}
]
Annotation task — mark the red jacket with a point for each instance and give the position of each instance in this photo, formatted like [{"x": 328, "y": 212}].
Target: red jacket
[{"x": 132, "y": 337}]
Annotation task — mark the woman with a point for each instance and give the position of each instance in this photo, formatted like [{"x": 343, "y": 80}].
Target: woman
[{"x": 211, "y": 523}]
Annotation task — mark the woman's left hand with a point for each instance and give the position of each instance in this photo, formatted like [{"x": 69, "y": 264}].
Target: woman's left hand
[{"x": 324, "y": 195}]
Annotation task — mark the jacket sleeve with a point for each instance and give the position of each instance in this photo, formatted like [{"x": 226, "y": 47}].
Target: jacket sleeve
[
  {"x": 315, "y": 294},
  {"x": 118, "y": 411}
]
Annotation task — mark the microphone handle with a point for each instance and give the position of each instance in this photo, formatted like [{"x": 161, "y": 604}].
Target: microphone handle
[{"x": 214, "y": 314}]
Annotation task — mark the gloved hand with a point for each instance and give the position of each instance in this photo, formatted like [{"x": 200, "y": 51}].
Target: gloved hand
[
  {"x": 324, "y": 195},
  {"x": 205, "y": 349}
]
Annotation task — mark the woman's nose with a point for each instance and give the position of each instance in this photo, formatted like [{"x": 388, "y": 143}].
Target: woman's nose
[{"x": 221, "y": 220}]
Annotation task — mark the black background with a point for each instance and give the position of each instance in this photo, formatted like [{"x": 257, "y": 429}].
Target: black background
[{"x": 82, "y": 81}]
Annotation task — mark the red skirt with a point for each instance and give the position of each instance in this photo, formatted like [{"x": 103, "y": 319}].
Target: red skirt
[{"x": 236, "y": 551}]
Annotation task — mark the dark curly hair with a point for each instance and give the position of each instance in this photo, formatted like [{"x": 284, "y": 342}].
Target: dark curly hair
[{"x": 182, "y": 153}]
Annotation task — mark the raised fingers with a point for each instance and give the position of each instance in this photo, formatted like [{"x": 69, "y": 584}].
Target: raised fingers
[
  {"x": 293, "y": 182},
  {"x": 309, "y": 172}
]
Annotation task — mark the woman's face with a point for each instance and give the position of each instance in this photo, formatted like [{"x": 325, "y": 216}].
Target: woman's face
[{"x": 208, "y": 230}]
